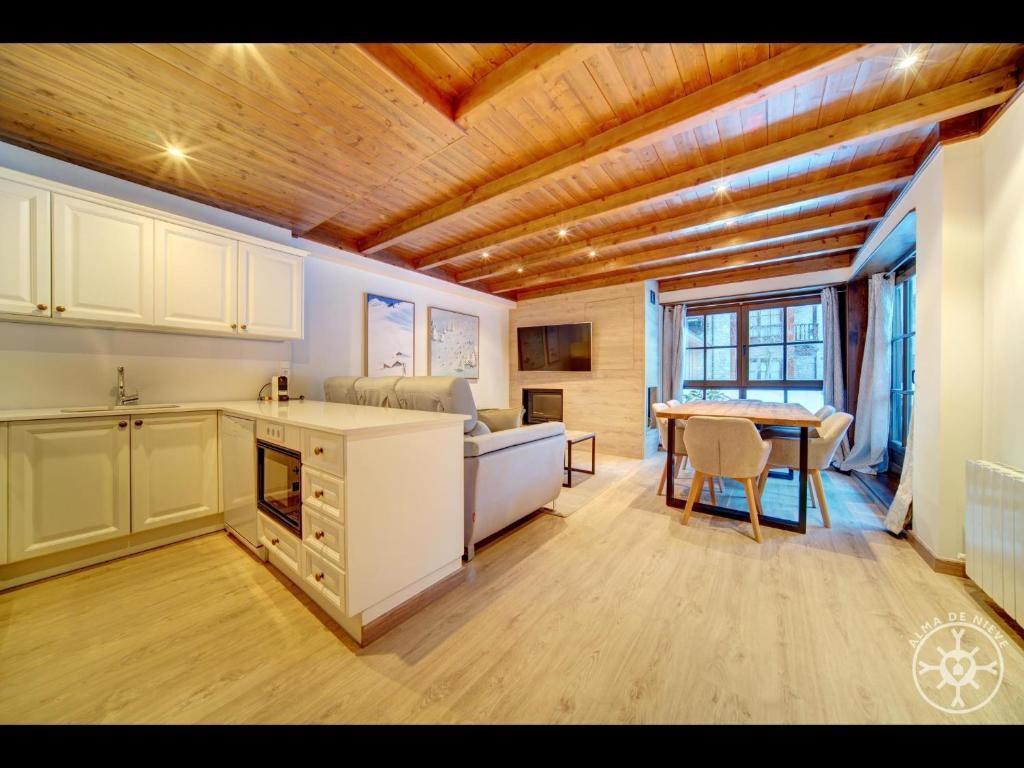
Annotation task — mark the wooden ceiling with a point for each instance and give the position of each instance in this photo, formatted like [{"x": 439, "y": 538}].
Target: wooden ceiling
[{"x": 523, "y": 169}]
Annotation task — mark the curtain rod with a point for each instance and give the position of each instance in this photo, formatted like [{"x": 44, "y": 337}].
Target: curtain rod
[{"x": 751, "y": 298}]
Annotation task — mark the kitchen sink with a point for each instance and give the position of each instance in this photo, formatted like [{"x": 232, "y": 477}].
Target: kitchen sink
[{"x": 128, "y": 408}]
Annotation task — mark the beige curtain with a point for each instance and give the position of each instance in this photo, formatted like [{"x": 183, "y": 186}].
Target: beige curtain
[
  {"x": 899, "y": 512},
  {"x": 834, "y": 390},
  {"x": 673, "y": 319}
]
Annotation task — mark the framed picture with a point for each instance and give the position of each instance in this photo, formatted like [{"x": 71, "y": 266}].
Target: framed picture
[
  {"x": 390, "y": 336},
  {"x": 453, "y": 344}
]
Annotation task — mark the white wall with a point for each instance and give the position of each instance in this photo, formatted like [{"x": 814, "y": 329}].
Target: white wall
[{"x": 58, "y": 365}]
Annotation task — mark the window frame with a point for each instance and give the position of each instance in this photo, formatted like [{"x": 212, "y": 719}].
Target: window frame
[
  {"x": 743, "y": 382},
  {"x": 898, "y": 449}
]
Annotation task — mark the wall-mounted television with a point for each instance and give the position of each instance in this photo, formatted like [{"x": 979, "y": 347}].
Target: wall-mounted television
[{"x": 554, "y": 347}]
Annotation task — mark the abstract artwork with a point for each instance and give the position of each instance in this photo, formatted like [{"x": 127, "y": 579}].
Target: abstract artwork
[
  {"x": 453, "y": 347},
  {"x": 390, "y": 336}
]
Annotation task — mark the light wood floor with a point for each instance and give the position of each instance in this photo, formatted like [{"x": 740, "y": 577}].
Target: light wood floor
[{"x": 615, "y": 614}]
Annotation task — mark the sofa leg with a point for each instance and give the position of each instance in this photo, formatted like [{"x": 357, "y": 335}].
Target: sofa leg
[{"x": 470, "y": 552}]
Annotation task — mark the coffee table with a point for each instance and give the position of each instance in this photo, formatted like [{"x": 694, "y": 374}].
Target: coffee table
[{"x": 573, "y": 436}]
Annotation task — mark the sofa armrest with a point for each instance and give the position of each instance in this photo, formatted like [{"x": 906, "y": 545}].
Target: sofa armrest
[{"x": 480, "y": 445}]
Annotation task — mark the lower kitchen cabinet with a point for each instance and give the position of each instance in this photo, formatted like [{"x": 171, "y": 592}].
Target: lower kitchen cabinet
[
  {"x": 174, "y": 468},
  {"x": 69, "y": 484},
  {"x": 3, "y": 493}
]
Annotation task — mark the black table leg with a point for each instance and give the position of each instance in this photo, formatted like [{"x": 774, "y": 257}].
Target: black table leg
[
  {"x": 568, "y": 469},
  {"x": 802, "y": 521}
]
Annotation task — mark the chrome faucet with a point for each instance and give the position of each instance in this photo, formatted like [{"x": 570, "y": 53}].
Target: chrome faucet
[{"x": 122, "y": 397}]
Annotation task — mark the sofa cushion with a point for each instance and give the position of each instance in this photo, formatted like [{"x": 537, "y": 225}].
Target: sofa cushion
[
  {"x": 444, "y": 394},
  {"x": 500, "y": 419},
  {"x": 378, "y": 391},
  {"x": 484, "y": 444},
  {"x": 341, "y": 389}
]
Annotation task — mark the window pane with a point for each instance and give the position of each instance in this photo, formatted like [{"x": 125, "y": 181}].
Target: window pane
[
  {"x": 693, "y": 370},
  {"x": 897, "y": 364},
  {"x": 805, "y": 362},
  {"x": 811, "y": 399},
  {"x": 896, "y": 419},
  {"x": 692, "y": 394},
  {"x": 911, "y": 289},
  {"x": 898, "y": 309},
  {"x": 721, "y": 365},
  {"x": 767, "y": 395},
  {"x": 721, "y": 329},
  {"x": 723, "y": 394},
  {"x": 911, "y": 344},
  {"x": 803, "y": 323},
  {"x": 765, "y": 326},
  {"x": 765, "y": 363},
  {"x": 694, "y": 331}
]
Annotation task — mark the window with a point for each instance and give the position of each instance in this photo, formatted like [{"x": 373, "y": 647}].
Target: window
[
  {"x": 902, "y": 387},
  {"x": 761, "y": 351}
]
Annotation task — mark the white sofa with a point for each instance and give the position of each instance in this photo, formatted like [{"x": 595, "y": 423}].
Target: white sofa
[{"x": 507, "y": 474}]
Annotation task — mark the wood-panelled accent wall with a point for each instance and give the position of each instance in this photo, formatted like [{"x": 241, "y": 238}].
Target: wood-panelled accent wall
[{"x": 610, "y": 399}]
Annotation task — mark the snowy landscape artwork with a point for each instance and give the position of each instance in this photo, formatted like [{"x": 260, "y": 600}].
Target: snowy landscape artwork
[
  {"x": 454, "y": 343},
  {"x": 390, "y": 336}
]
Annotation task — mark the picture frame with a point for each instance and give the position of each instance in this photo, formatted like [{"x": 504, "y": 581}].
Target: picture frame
[
  {"x": 453, "y": 343},
  {"x": 389, "y": 336}
]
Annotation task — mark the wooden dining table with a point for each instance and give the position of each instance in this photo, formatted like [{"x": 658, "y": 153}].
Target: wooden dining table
[{"x": 761, "y": 414}]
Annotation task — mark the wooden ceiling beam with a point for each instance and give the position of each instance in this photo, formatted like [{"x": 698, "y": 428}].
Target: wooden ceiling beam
[
  {"x": 878, "y": 177},
  {"x": 789, "y": 69},
  {"x": 760, "y": 272},
  {"x": 682, "y": 254},
  {"x": 815, "y": 247},
  {"x": 966, "y": 96},
  {"x": 535, "y": 60},
  {"x": 409, "y": 77}
]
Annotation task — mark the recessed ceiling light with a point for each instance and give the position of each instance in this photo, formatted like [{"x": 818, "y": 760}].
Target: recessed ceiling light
[
  {"x": 486, "y": 255},
  {"x": 592, "y": 253},
  {"x": 908, "y": 60},
  {"x": 520, "y": 270},
  {"x": 175, "y": 152},
  {"x": 563, "y": 232},
  {"x": 722, "y": 188}
]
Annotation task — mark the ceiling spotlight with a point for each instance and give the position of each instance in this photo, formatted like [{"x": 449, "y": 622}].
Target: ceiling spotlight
[
  {"x": 721, "y": 189},
  {"x": 519, "y": 270},
  {"x": 908, "y": 60},
  {"x": 175, "y": 152},
  {"x": 563, "y": 232},
  {"x": 486, "y": 255},
  {"x": 592, "y": 253}
]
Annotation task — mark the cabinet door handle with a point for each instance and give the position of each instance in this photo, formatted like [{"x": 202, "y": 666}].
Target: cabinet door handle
[
  {"x": 275, "y": 542},
  {"x": 138, "y": 422},
  {"x": 233, "y": 326},
  {"x": 60, "y": 307},
  {"x": 318, "y": 534},
  {"x": 41, "y": 307},
  {"x": 317, "y": 451},
  {"x": 317, "y": 494},
  {"x": 122, "y": 424},
  {"x": 244, "y": 326},
  {"x": 319, "y": 576}
]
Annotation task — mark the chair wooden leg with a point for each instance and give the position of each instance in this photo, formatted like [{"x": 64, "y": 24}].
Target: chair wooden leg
[
  {"x": 762, "y": 480},
  {"x": 819, "y": 489},
  {"x": 698, "y": 481},
  {"x": 679, "y": 464},
  {"x": 711, "y": 488},
  {"x": 664, "y": 479},
  {"x": 752, "y": 506}
]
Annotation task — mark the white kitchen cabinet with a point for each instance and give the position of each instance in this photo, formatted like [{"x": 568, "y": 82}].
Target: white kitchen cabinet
[
  {"x": 102, "y": 262},
  {"x": 3, "y": 493},
  {"x": 196, "y": 279},
  {"x": 174, "y": 468},
  {"x": 69, "y": 484},
  {"x": 24, "y": 249},
  {"x": 269, "y": 292}
]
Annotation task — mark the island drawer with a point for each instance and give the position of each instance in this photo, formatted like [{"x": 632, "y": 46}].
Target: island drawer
[
  {"x": 325, "y": 451},
  {"x": 284, "y": 546},
  {"x": 323, "y": 493},
  {"x": 324, "y": 536},
  {"x": 323, "y": 578}
]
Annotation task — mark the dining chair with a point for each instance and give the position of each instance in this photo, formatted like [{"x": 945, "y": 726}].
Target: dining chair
[
  {"x": 726, "y": 447},
  {"x": 820, "y": 450},
  {"x": 680, "y": 453}
]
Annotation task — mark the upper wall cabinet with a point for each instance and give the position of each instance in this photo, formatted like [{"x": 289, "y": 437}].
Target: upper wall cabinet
[
  {"x": 24, "y": 249},
  {"x": 196, "y": 279},
  {"x": 269, "y": 293},
  {"x": 102, "y": 262}
]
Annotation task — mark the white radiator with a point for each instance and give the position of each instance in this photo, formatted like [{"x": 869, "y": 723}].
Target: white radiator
[{"x": 995, "y": 533}]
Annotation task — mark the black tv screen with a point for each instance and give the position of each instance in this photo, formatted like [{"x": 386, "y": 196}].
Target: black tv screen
[{"x": 554, "y": 347}]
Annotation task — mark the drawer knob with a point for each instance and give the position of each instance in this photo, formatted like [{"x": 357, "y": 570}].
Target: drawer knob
[
  {"x": 317, "y": 450},
  {"x": 319, "y": 576},
  {"x": 318, "y": 494},
  {"x": 233, "y": 326},
  {"x": 318, "y": 534},
  {"x": 138, "y": 422},
  {"x": 60, "y": 307},
  {"x": 122, "y": 424},
  {"x": 275, "y": 541},
  {"x": 244, "y": 326},
  {"x": 41, "y": 307}
]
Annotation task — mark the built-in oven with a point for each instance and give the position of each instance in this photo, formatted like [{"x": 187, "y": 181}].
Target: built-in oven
[{"x": 279, "y": 484}]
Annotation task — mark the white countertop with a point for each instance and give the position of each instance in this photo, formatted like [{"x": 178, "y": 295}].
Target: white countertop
[{"x": 337, "y": 418}]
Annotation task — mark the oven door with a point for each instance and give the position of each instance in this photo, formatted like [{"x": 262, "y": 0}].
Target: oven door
[{"x": 279, "y": 484}]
